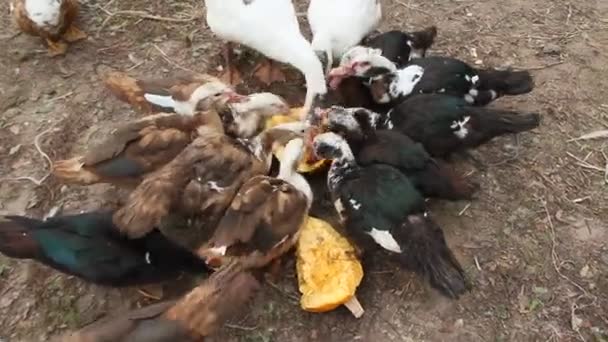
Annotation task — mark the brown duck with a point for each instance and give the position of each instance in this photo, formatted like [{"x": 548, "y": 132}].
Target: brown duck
[
  {"x": 198, "y": 314},
  {"x": 135, "y": 149},
  {"x": 185, "y": 93},
  {"x": 201, "y": 182},
  {"x": 265, "y": 216}
]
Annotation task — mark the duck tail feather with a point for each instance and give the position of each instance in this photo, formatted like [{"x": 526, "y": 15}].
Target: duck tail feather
[
  {"x": 15, "y": 238},
  {"x": 506, "y": 82},
  {"x": 426, "y": 252}
]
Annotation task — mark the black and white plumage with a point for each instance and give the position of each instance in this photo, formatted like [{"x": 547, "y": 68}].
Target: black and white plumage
[
  {"x": 446, "y": 124},
  {"x": 449, "y": 76},
  {"x": 400, "y": 47},
  {"x": 378, "y": 203},
  {"x": 431, "y": 177},
  {"x": 350, "y": 80}
]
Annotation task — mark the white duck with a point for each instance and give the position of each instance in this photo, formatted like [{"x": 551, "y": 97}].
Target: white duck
[
  {"x": 338, "y": 25},
  {"x": 270, "y": 27}
]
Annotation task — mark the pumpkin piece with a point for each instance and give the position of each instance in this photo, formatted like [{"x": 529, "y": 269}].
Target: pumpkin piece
[{"x": 328, "y": 269}]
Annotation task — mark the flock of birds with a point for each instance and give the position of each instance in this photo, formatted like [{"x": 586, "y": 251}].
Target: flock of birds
[{"x": 386, "y": 117}]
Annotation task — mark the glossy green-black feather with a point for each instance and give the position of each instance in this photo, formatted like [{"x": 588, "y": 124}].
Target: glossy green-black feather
[
  {"x": 378, "y": 196},
  {"x": 89, "y": 246},
  {"x": 431, "y": 177},
  {"x": 430, "y": 119}
]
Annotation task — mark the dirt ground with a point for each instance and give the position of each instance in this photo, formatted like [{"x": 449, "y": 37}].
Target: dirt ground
[{"x": 534, "y": 242}]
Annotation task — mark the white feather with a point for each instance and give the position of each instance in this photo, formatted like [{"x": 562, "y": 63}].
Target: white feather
[
  {"x": 218, "y": 250},
  {"x": 270, "y": 27},
  {"x": 45, "y": 13},
  {"x": 213, "y": 186},
  {"x": 341, "y": 24},
  {"x": 356, "y": 205},
  {"x": 165, "y": 101},
  {"x": 462, "y": 131},
  {"x": 406, "y": 80},
  {"x": 289, "y": 163},
  {"x": 385, "y": 239}
]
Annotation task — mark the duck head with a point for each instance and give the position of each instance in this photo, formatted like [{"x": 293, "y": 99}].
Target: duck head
[
  {"x": 399, "y": 84},
  {"x": 361, "y": 62},
  {"x": 281, "y": 134},
  {"x": 420, "y": 41},
  {"x": 244, "y": 116},
  {"x": 262, "y": 104},
  {"x": 331, "y": 146},
  {"x": 356, "y": 120},
  {"x": 204, "y": 96}
]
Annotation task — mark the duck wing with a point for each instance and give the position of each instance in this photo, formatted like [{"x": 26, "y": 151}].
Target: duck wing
[{"x": 264, "y": 217}]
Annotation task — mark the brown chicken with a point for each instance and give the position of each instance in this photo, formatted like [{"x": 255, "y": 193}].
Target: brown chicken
[
  {"x": 265, "y": 216},
  {"x": 200, "y": 313},
  {"x": 201, "y": 182},
  {"x": 52, "y": 20},
  {"x": 135, "y": 149},
  {"x": 185, "y": 93}
]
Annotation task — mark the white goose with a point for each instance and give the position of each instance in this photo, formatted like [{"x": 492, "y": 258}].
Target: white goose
[
  {"x": 338, "y": 25},
  {"x": 270, "y": 27}
]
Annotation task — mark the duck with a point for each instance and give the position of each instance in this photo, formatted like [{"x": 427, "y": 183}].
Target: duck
[
  {"x": 200, "y": 183},
  {"x": 338, "y": 25},
  {"x": 192, "y": 318},
  {"x": 265, "y": 217},
  {"x": 350, "y": 80},
  {"x": 432, "y": 178},
  {"x": 51, "y": 20},
  {"x": 90, "y": 247},
  {"x": 380, "y": 207},
  {"x": 270, "y": 27},
  {"x": 446, "y": 124},
  {"x": 184, "y": 93},
  {"x": 445, "y": 75},
  {"x": 400, "y": 47},
  {"x": 248, "y": 117},
  {"x": 360, "y": 62},
  {"x": 135, "y": 149}
]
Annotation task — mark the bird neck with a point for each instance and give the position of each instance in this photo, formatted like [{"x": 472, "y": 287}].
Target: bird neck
[
  {"x": 303, "y": 57},
  {"x": 291, "y": 176}
]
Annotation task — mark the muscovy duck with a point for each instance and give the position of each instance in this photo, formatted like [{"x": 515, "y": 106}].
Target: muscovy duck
[
  {"x": 378, "y": 203},
  {"x": 445, "y": 124},
  {"x": 449, "y": 76},
  {"x": 91, "y": 247},
  {"x": 433, "y": 178},
  {"x": 400, "y": 47},
  {"x": 266, "y": 215}
]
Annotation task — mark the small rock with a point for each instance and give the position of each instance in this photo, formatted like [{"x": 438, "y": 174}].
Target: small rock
[
  {"x": 459, "y": 323},
  {"x": 552, "y": 49},
  {"x": 314, "y": 334},
  {"x": 542, "y": 293},
  {"x": 14, "y": 129},
  {"x": 11, "y": 113},
  {"x": 14, "y": 149},
  {"x": 479, "y": 62},
  {"x": 586, "y": 272}
]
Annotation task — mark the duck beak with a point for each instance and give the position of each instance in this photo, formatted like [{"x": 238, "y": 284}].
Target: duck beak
[{"x": 336, "y": 75}]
